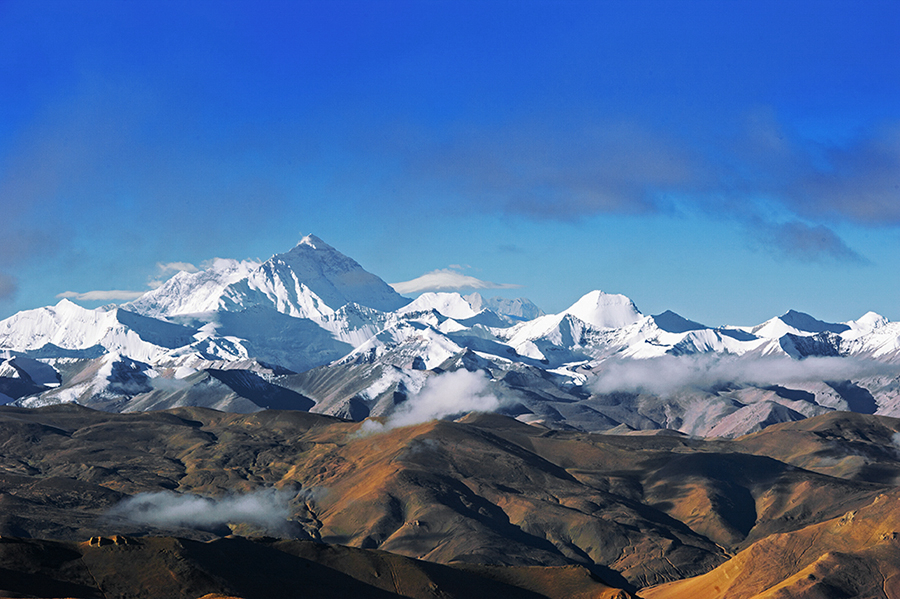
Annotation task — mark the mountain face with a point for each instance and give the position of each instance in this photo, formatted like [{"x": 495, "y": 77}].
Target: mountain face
[
  {"x": 310, "y": 281},
  {"x": 310, "y": 329}
]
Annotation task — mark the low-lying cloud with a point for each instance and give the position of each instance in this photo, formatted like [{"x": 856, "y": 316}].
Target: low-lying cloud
[
  {"x": 668, "y": 375},
  {"x": 267, "y": 508},
  {"x": 444, "y": 395}
]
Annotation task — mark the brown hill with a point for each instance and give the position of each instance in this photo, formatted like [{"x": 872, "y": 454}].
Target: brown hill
[
  {"x": 854, "y": 555},
  {"x": 634, "y": 510},
  {"x": 843, "y": 444}
]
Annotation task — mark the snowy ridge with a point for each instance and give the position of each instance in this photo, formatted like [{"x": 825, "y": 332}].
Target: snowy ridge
[
  {"x": 190, "y": 293},
  {"x": 69, "y": 326}
]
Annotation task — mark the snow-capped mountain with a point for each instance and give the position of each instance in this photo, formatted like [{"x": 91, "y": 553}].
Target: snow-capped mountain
[
  {"x": 192, "y": 293},
  {"x": 310, "y": 329},
  {"x": 310, "y": 281},
  {"x": 605, "y": 310}
]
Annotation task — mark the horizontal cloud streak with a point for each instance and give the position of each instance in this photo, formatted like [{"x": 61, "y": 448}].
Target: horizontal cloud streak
[
  {"x": 447, "y": 280},
  {"x": 268, "y": 508},
  {"x": 103, "y": 296},
  {"x": 668, "y": 375}
]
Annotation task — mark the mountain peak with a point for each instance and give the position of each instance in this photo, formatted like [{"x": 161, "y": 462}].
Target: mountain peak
[
  {"x": 314, "y": 279},
  {"x": 806, "y": 323},
  {"x": 605, "y": 310},
  {"x": 314, "y": 242},
  {"x": 675, "y": 323}
]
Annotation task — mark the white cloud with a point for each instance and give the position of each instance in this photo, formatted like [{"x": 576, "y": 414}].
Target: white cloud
[
  {"x": 164, "y": 271},
  {"x": 446, "y": 279},
  {"x": 176, "y": 267},
  {"x": 444, "y": 395},
  {"x": 667, "y": 375},
  {"x": 268, "y": 508},
  {"x": 103, "y": 296}
]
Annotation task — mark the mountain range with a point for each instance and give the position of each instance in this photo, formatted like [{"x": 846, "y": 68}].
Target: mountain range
[
  {"x": 295, "y": 427},
  {"x": 311, "y": 330}
]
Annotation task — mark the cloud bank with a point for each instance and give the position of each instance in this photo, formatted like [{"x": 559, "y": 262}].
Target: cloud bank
[
  {"x": 668, "y": 375},
  {"x": 446, "y": 279},
  {"x": 443, "y": 395},
  {"x": 267, "y": 508}
]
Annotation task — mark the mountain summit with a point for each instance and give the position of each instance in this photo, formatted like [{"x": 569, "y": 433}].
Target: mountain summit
[
  {"x": 310, "y": 281},
  {"x": 605, "y": 310}
]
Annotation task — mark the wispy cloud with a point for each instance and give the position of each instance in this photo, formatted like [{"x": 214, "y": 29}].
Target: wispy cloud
[
  {"x": 857, "y": 181},
  {"x": 805, "y": 242},
  {"x": 444, "y": 395},
  {"x": 268, "y": 508},
  {"x": 173, "y": 267},
  {"x": 165, "y": 270},
  {"x": 565, "y": 170},
  {"x": 560, "y": 170},
  {"x": 110, "y": 295},
  {"x": 446, "y": 279}
]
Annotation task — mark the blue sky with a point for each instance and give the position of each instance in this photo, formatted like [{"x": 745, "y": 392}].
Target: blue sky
[{"x": 726, "y": 160}]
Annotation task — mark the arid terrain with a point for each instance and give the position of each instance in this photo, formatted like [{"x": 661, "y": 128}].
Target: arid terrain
[{"x": 194, "y": 500}]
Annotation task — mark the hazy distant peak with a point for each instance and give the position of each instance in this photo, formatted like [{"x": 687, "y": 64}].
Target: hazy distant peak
[{"x": 520, "y": 308}]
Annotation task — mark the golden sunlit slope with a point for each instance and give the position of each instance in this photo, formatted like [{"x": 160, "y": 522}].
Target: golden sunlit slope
[{"x": 854, "y": 555}]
